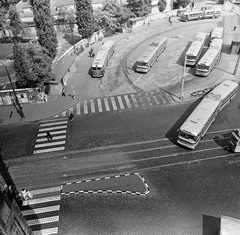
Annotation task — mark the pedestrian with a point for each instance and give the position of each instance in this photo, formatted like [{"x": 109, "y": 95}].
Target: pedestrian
[
  {"x": 170, "y": 21},
  {"x": 63, "y": 92},
  {"x": 149, "y": 23},
  {"x": 25, "y": 195},
  {"x": 49, "y": 136},
  {"x": 91, "y": 52},
  {"x": 234, "y": 28},
  {"x": 71, "y": 116}
]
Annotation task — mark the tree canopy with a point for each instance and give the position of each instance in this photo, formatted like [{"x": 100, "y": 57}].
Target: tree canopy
[
  {"x": 32, "y": 65},
  {"x": 140, "y": 7},
  {"x": 44, "y": 25},
  {"x": 162, "y": 5},
  {"x": 84, "y": 18}
]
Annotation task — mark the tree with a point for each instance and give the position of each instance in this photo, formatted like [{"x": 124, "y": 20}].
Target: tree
[
  {"x": 15, "y": 23},
  {"x": 162, "y": 5},
  {"x": 84, "y": 18},
  {"x": 140, "y": 7},
  {"x": 32, "y": 65},
  {"x": 44, "y": 25}
]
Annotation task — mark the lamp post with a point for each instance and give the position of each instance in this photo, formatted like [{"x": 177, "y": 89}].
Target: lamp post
[
  {"x": 184, "y": 68},
  {"x": 16, "y": 103}
]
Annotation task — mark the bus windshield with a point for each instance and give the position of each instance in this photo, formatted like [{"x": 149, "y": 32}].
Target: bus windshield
[
  {"x": 187, "y": 136},
  {"x": 143, "y": 64},
  {"x": 203, "y": 67},
  {"x": 191, "y": 57},
  {"x": 96, "y": 68}
]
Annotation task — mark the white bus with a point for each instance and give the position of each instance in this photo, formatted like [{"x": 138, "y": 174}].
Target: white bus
[
  {"x": 146, "y": 60},
  {"x": 216, "y": 33},
  {"x": 197, "y": 124},
  {"x": 100, "y": 62},
  {"x": 194, "y": 51},
  {"x": 210, "y": 58},
  {"x": 200, "y": 14}
]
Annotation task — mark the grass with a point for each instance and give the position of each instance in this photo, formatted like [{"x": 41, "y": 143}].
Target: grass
[{"x": 6, "y": 50}]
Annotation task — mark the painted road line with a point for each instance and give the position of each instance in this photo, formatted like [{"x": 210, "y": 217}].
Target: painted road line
[
  {"x": 92, "y": 106},
  {"x": 48, "y": 231},
  {"x": 78, "y": 108},
  {"x": 41, "y": 200},
  {"x": 53, "y": 123},
  {"x": 49, "y": 150},
  {"x": 53, "y": 120},
  {"x": 85, "y": 107},
  {"x": 53, "y": 133},
  {"x": 155, "y": 99},
  {"x": 149, "y": 100},
  {"x": 163, "y": 100},
  {"x": 59, "y": 137},
  {"x": 106, "y": 104},
  {"x": 120, "y": 102},
  {"x": 113, "y": 103},
  {"x": 50, "y": 144},
  {"x": 53, "y": 128},
  {"x": 41, "y": 210},
  {"x": 45, "y": 220},
  {"x": 134, "y": 100},
  {"x": 141, "y": 100},
  {"x": 99, "y": 105},
  {"x": 64, "y": 113},
  {"x": 128, "y": 101},
  {"x": 46, "y": 190}
]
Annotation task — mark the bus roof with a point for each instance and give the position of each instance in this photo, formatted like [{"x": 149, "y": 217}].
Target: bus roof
[
  {"x": 217, "y": 31},
  {"x": 223, "y": 89},
  {"x": 100, "y": 58},
  {"x": 194, "y": 48},
  {"x": 200, "y": 36},
  {"x": 107, "y": 45},
  {"x": 151, "y": 50},
  {"x": 192, "y": 12},
  {"x": 200, "y": 116},
  {"x": 216, "y": 43}
]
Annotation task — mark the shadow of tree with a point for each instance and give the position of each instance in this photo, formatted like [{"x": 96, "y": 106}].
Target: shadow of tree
[
  {"x": 71, "y": 38},
  {"x": 10, "y": 40}
]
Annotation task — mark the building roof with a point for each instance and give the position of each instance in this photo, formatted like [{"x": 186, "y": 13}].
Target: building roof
[{"x": 229, "y": 226}]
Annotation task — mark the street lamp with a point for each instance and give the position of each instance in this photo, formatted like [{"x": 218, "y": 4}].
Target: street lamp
[
  {"x": 16, "y": 102},
  {"x": 184, "y": 73}
]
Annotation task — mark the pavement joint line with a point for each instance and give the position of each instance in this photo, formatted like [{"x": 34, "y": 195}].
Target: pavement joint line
[
  {"x": 35, "y": 211},
  {"x": 48, "y": 231},
  {"x": 45, "y": 220},
  {"x": 49, "y": 150},
  {"x": 53, "y": 128},
  {"x": 50, "y": 144},
  {"x": 41, "y": 200},
  {"x": 54, "y": 138},
  {"x": 53, "y": 123}
]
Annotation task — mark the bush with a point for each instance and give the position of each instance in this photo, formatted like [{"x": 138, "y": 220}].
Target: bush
[{"x": 162, "y": 5}]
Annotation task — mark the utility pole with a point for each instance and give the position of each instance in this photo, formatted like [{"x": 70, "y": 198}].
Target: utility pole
[{"x": 16, "y": 103}]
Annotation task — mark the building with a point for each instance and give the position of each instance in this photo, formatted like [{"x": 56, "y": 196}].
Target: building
[{"x": 12, "y": 221}]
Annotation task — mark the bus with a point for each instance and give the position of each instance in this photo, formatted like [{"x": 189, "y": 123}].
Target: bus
[
  {"x": 100, "y": 62},
  {"x": 210, "y": 58},
  {"x": 200, "y": 14},
  {"x": 216, "y": 33},
  {"x": 149, "y": 56},
  {"x": 193, "y": 15},
  {"x": 194, "y": 51},
  {"x": 234, "y": 143},
  {"x": 197, "y": 124}
]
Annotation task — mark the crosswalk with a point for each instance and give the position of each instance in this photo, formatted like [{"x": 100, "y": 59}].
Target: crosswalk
[
  {"x": 58, "y": 131},
  {"x": 119, "y": 102},
  {"x": 42, "y": 212}
]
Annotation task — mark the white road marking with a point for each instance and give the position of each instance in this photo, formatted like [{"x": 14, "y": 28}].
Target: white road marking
[
  {"x": 163, "y": 100},
  {"x": 128, "y": 101},
  {"x": 134, "y": 100},
  {"x": 50, "y": 144},
  {"x": 78, "y": 108},
  {"x": 99, "y": 105},
  {"x": 149, "y": 100},
  {"x": 92, "y": 106},
  {"x": 52, "y": 128},
  {"x": 52, "y": 133},
  {"x": 106, "y": 104},
  {"x": 46, "y": 190},
  {"x": 48, "y": 231},
  {"x": 41, "y": 200},
  {"x": 53, "y": 123},
  {"x": 113, "y": 103},
  {"x": 35, "y": 211},
  {"x": 53, "y": 138},
  {"x": 49, "y": 150},
  {"x": 45, "y": 220},
  {"x": 155, "y": 99},
  {"x": 85, "y": 107},
  {"x": 120, "y": 102},
  {"x": 64, "y": 113}
]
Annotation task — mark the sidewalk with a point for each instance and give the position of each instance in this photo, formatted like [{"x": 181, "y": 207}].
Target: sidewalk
[{"x": 80, "y": 85}]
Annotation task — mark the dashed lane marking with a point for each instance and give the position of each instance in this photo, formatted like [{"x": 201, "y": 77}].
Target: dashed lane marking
[
  {"x": 113, "y": 103},
  {"x": 120, "y": 102},
  {"x": 99, "y": 105},
  {"x": 106, "y": 104},
  {"x": 128, "y": 101}
]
